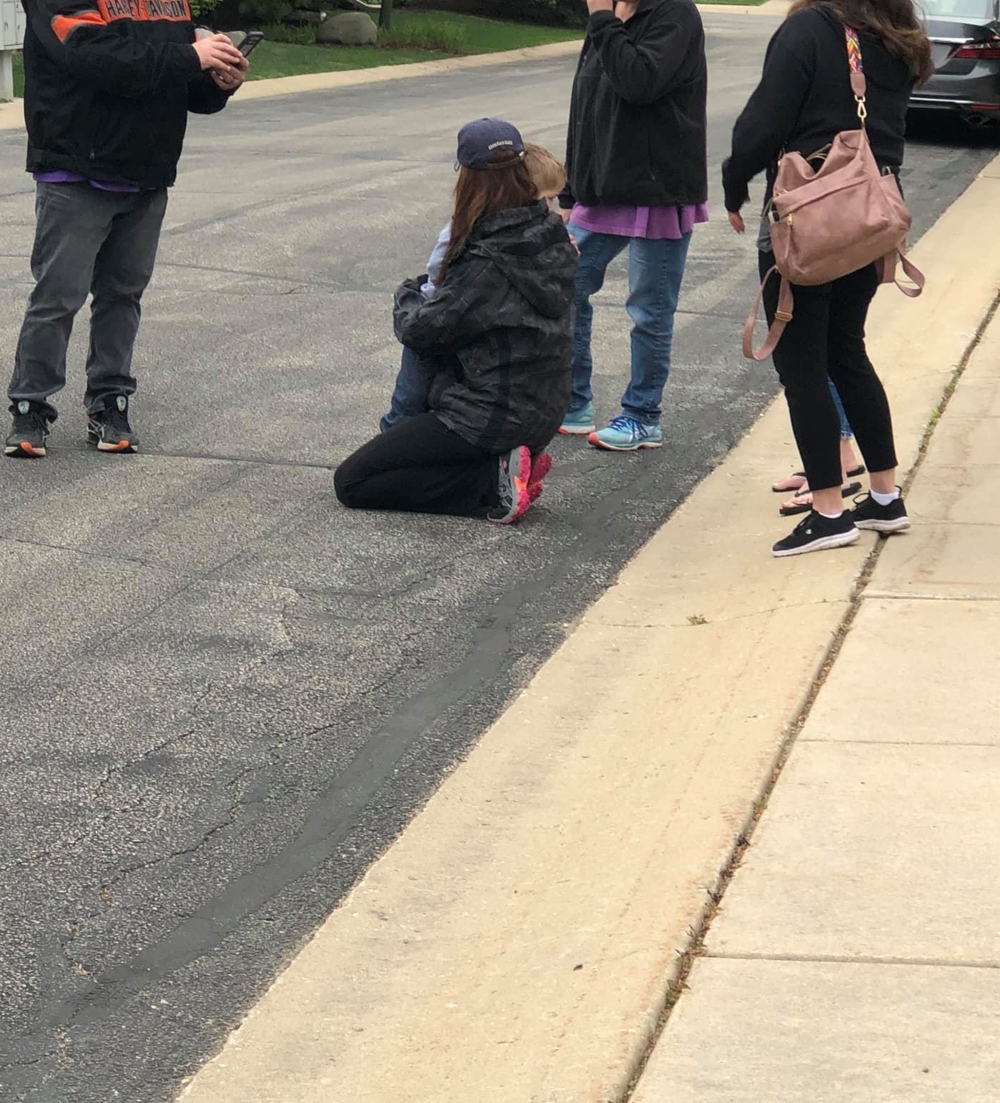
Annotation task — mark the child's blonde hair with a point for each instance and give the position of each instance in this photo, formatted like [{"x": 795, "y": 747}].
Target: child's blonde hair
[{"x": 546, "y": 172}]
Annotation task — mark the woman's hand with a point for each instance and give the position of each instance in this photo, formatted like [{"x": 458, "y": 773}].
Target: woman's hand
[
  {"x": 600, "y": 5},
  {"x": 736, "y": 221}
]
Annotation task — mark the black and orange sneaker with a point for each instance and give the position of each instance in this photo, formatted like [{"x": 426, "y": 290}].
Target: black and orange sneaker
[
  {"x": 109, "y": 429},
  {"x": 28, "y": 433}
]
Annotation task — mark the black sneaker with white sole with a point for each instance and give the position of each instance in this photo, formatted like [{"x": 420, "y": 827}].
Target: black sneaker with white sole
[
  {"x": 108, "y": 428},
  {"x": 868, "y": 514},
  {"x": 28, "y": 432},
  {"x": 816, "y": 532}
]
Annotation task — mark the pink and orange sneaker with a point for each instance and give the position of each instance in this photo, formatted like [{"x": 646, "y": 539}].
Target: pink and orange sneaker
[
  {"x": 540, "y": 467},
  {"x": 513, "y": 499}
]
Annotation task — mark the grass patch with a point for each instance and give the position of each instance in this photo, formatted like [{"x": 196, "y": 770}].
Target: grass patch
[
  {"x": 284, "y": 59},
  {"x": 284, "y": 32},
  {"x": 415, "y": 36},
  {"x": 468, "y": 34},
  {"x": 18, "y": 75}
]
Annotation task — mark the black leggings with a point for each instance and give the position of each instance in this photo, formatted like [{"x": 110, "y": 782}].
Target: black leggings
[
  {"x": 420, "y": 466},
  {"x": 826, "y": 338}
]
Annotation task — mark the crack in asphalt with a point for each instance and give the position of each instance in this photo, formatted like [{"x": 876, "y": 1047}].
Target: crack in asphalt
[{"x": 87, "y": 553}]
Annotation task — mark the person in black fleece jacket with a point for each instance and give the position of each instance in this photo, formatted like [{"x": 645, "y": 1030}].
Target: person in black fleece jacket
[
  {"x": 803, "y": 101},
  {"x": 495, "y": 335}
]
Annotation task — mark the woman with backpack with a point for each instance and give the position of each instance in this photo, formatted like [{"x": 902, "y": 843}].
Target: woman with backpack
[
  {"x": 804, "y": 99},
  {"x": 495, "y": 339}
]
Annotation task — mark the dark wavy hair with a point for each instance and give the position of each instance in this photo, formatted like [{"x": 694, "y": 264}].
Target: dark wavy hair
[
  {"x": 893, "y": 21},
  {"x": 478, "y": 192}
]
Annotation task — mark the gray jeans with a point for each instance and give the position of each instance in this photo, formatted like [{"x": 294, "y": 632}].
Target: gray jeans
[{"x": 86, "y": 241}]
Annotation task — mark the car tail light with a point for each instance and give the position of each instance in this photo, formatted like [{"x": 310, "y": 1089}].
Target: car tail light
[{"x": 979, "y": 51}]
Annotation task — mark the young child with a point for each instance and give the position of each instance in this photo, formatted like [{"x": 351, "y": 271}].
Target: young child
[
  {"x": 409, "y": 397},
  {"x": 497, "y": 333}
]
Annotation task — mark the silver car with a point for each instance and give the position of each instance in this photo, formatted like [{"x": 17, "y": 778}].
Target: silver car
[{"x": 965, "y": 39}]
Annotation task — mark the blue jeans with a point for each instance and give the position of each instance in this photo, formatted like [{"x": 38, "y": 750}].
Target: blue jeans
[
  {"x": 655, "y": 271},
  {"x": 846, "y": 433},
  {"x": 409, "y": 398}
]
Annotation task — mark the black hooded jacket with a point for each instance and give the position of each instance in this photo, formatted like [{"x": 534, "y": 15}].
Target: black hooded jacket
[
  {"x": 503, "y": 317},
  {"x": 108, "y": 85},
  {"x": 637, "y": 129},
  {"x": 804, "y": 100}
]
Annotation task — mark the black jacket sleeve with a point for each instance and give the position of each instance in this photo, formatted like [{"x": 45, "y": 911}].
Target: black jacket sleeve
[
  {"x": 566, "y": 200},
  {"x": 462, "y": 309},
  {"x": 646, "y": 69},
  {"x": 76, "y": 35},
  {"x": 205, "y": 97},
  {"x": 769, "y": 118}
]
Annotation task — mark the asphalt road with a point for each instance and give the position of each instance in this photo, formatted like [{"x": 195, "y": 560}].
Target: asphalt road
[{"x": 222, "y": 695}]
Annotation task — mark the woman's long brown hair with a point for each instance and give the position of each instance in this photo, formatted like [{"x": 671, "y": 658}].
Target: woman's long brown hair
[
  {"x": 894, "y": 21},
  {"x": 479, "y": 192}
]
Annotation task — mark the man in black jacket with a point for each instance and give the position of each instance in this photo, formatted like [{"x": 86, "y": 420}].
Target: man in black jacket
[
  {"x": 638, "y": 180},
  {"x": 108, "y": 86}
]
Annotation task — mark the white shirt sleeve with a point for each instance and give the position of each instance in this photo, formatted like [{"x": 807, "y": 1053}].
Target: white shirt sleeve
[{"x": 434, "y": 262}]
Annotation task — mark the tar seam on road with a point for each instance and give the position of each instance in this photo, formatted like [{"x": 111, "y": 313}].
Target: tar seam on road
[
  {"x": 715, "y": 893},
  {"x": 266, "y": 461}
]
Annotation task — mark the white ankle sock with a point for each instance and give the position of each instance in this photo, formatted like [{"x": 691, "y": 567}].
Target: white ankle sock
[
  {"x": 885, "y": 499},
  {"x": 831, "y": 516}
]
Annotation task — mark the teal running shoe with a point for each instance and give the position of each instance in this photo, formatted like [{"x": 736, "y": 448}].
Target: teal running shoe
[
  {"x": 578, "y": 423},
  {"x": 625, "y": 434}
]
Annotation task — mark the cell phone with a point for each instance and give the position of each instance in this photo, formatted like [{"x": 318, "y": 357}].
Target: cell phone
[{"x": 250, "y": 42}]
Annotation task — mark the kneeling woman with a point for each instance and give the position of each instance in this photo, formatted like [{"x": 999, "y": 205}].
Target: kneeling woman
[{"x": 496, "y": 339}]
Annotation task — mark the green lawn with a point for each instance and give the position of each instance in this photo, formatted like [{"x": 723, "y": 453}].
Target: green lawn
[
  {"x": 468, "y": 34},
  {"x": 415, "y": 36},
  {"x": 283, "y": 59},
  {"x": 18, "y": 76}
]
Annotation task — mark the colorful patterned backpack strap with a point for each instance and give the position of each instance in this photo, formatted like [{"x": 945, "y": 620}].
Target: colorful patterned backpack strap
[{"x": 858, "y": 83}]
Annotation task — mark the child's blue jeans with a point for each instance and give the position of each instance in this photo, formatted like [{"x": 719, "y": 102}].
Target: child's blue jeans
[{"x": 409, "y": 398}]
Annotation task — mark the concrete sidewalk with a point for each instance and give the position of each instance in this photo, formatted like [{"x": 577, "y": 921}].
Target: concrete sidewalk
[
  {"x": 856, "y": 954},
  {"x": 520, "y": 941}
]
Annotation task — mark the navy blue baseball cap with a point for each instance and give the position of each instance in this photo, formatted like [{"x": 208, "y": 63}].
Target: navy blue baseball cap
[{"x": 478, "y": 142}]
